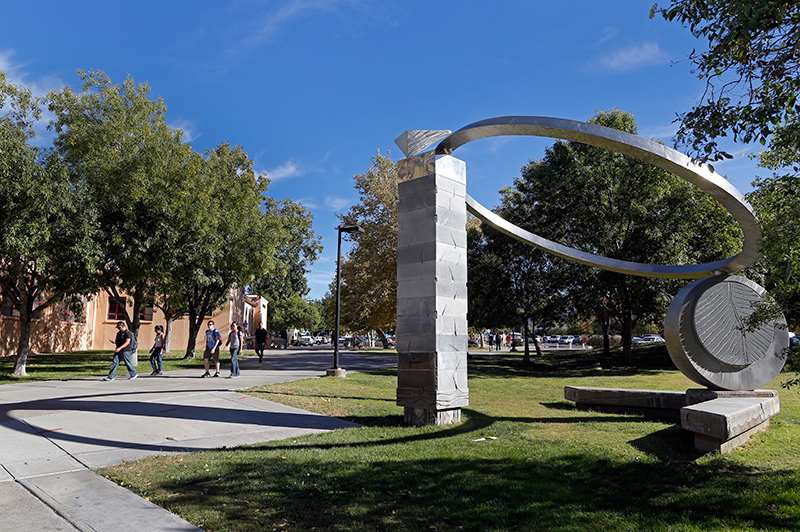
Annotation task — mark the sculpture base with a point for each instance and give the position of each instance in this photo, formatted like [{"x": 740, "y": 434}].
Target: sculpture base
[
  {"x": 419, "y": 417},
  {"x": 720, "y": 420},
  {"x": 336, "y": 372}
]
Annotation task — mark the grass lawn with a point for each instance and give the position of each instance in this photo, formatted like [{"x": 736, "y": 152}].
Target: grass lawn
[
  {"x": 523, "y": 458},
  {"x": 88, "y": 364}
]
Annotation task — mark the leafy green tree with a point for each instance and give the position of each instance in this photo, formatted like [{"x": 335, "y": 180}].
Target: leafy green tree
[
  {"x": 228, "y": 240},
  {"x": 369, "y": 273},
  {"x": 296, "y": 248},
  {"x": 47, "y": 246},
  {"x": 609, "y": 204},
  {"x": 117, "y": 142},
  {"x": 509, "y": 282},
  {"x": 296, "y": 313},
  {"x": 750, "y": 69}
]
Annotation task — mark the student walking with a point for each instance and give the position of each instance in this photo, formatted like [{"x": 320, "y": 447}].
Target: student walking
[
  {"x": 235, "y": 341},
  {"x": 122, "y": 353},
  {"x": 157, "y": 351},
  {"x": 261, "y": 341},
  {"x": 213, "y": 343}
]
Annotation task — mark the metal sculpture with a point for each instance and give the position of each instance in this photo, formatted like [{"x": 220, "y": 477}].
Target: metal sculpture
[{"x": 712, "y": 309}]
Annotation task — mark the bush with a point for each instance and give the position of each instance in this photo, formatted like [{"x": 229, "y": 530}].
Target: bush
[{"x": 596, "y": 340}]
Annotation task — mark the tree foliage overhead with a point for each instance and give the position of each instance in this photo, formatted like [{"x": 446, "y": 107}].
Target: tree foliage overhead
[{"x": 750, "y": 69}]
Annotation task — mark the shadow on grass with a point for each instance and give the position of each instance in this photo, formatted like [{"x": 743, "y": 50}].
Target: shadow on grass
[{"x": 545, "y": 489}]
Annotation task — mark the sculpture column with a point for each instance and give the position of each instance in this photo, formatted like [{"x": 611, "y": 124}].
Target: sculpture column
[{"x": 432, "y": 289}]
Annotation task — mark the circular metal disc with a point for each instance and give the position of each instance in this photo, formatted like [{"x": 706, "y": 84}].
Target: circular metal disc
[{"x": 707, "y": 341}]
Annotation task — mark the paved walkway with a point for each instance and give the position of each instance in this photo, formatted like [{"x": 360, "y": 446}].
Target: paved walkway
[{"x": 53, "y": 432}]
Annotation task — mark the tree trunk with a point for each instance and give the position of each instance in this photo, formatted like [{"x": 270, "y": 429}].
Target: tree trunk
[
  {"x": 168, "y": 334},
  {"x": 382, "y": 336},
  {"x": 23, "y": 345},
  {"x": 527, "y": 356},
  {"x": 605, "y": 325},
  {"x": 627, "y": 340}
]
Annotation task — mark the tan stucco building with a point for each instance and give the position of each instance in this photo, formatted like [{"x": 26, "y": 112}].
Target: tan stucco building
[{"x": 57, "y": 329}]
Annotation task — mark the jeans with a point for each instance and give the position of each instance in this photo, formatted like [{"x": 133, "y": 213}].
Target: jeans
[
  {"x": 235, "y": 362},
  {"x": 155, "y": 359},
  {"x": 124, "y": 356}
]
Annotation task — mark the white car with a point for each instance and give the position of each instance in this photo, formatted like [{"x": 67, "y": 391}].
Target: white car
[
  {"x": 568, "y": 339},
  {"x": 305, "y": 339}
]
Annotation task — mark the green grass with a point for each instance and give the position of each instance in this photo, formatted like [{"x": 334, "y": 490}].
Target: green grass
[
  {"x": 538, "y": 463},
  {"x": 88, "y": 364}
]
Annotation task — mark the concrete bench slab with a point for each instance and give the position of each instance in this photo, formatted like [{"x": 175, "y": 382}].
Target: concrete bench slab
[
  {"x": 725, "y": 423},
  {"x": 656, "y": 402},
  {"x": 721, "y": 420}
]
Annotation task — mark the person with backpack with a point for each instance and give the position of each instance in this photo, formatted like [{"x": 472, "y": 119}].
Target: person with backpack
[
  {"x": 213, "y": 342},
  {"x": 124, "y": 343}
]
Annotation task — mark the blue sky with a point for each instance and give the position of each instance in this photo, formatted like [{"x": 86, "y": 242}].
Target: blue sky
[{"x": 312, "y": 89}]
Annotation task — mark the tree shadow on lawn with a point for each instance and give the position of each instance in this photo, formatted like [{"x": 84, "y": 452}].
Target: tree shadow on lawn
[
  {"x": 544, "y": 489},
  {"x": 649, "y": 360}
]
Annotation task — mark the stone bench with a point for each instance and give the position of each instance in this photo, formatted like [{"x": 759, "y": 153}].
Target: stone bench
[{"x": 720, "y": 420}]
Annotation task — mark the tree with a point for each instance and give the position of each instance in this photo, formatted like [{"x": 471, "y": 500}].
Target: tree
[
  {"x": 369, "y": 273},
  {"x": 228, "y": 240},
  {"x": 750, "y": 69},
  {"x": 509, "y": 282},
  {"x": 117, "y": 142},
  {"x": 296, "y": 313},
  {"x": 296, "y": 248},
  {"x": 47, "y": 245},
  {"x": 612, "y": 205}
]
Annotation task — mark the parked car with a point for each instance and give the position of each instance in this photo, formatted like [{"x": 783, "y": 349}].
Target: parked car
[
  {"x": 652, "y": 338},
  {"x": 568, "y": 339},
  {"x": 553, "y": 339},
  {"x": 305, "y": 339},
  {"x": 638, "y": 340},
  {"x": 794, "y": 341}
]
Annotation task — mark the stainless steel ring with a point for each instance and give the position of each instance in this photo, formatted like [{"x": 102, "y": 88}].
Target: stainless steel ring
[{"x": 640, "y": 148}]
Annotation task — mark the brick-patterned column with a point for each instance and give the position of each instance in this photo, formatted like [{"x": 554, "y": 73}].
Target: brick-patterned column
[{"x": 432, "y": 289}]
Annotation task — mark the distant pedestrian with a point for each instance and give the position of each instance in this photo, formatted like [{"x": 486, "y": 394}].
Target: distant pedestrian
[
  {"x": 235, "y": 341},
  {"x": 157, "y": 351},
  {"x": 261, "y": 341},
  {"x": 285, "y": 337},
  {"x": 122, "y": 353},
  {"x": 213, "y": 343},
  {"x": 498, "y": 340}
]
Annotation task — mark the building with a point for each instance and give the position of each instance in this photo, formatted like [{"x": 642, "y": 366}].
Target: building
[{"x": 58, "y": 329}]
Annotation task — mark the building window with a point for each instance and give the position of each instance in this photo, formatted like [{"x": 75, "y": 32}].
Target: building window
[
  {"x": 72, "y": 309},
  {"x": 146, "y": 314},
  {"x": 8, "y": 308},
  {"x": 115, "y": 311}
]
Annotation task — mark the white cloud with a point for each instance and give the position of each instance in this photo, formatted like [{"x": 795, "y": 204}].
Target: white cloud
[
  {"x": 337, "y": 204},
  {"x": 609, "y": 32},
  {"x": 188, "y": 127},
  {"x": 285, "y": 171},
  {"x": 271, "y": 25},
  {"x": 634, "y": 57}
]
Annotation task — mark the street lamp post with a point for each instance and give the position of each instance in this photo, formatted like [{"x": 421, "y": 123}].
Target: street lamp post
[{"x": 336, "y": 371}]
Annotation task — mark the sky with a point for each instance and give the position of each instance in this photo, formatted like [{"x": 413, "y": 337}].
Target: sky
[{"x": 313, "y": 89}]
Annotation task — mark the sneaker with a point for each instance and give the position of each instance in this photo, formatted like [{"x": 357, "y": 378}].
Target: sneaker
[
  {"x": 108, "y": 378},
  {"x": 206, "y": 374},
  {"x": 216, "y": 374},
  {"x": 154, "y": 373},
  {"x": 133, "y": 377},
  {"x": 159, "y": 373}
]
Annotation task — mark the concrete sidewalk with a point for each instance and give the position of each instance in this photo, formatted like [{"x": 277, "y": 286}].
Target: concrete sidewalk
[{"x": 53, "y": 432}]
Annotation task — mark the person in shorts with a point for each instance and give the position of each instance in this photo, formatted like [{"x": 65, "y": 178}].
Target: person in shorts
[{"x": 213, "y": 342}]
